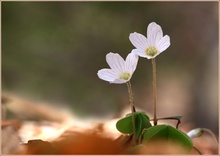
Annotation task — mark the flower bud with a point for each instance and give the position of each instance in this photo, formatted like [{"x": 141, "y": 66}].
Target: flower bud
[{"x": 195, "y": 133}]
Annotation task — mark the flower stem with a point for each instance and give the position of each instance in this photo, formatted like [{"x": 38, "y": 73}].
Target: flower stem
[
  {"x": 155, "y": 90},
  {"x": 212, "y": 134},
  {"x": 132, "y": 108}
]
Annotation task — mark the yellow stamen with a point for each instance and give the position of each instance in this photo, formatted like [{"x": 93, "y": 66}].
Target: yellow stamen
[
  {"x": 151, "y": 51},
  {"x": 125, "y": 76}
]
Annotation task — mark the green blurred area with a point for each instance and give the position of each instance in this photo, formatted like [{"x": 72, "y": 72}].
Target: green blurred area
[{"x": 52, "y": 51}]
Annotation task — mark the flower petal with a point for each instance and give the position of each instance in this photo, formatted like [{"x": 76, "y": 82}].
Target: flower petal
[
  {"x": 131, "y": 62},
  {"x": 139, "y": 52},
  {"x": 154, "y": 33},
  {"x": 139, "y": 40},
  {"x": 107, "y": 75},
  {"x": 119, "y": 81},
  {"x": 115, "y": 61},
  {"x": 163, "y": 44}
]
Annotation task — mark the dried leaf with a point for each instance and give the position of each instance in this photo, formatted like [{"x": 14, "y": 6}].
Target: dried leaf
[
  {"x": 11, "y": 141},
  {"x": 39, "y": 147},
  {"x": 84, "y": 143}
]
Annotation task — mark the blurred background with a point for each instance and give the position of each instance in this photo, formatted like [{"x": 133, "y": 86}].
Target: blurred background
[{"x": 52, "y": 51}]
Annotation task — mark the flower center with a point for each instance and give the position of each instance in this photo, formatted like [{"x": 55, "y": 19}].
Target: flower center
[
  {"x": 151, "y": 51},
  {"x": 125, "y": 76}
]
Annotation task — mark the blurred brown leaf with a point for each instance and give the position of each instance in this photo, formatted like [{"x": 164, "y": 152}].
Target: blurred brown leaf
[
  {"x": 75, "y": 143},
  {"x": 31, "y": 110},
  {"x": 11, "y": 141},
  {"x": 39, "y": 147}
]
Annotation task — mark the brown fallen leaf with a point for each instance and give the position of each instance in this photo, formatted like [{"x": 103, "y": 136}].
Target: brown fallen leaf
[
  {"x": 11, "y": 141},
  {"x": 37, "y": 111},
  {"x": 84, "y": 143},
  {"x": 38, "y": 147},
  {"x": 75, "y": 143}
]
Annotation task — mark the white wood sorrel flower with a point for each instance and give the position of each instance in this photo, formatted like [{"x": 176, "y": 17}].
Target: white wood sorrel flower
[
  {"x": 121, "y": 70},
  {"x": 152, "y": 45}
]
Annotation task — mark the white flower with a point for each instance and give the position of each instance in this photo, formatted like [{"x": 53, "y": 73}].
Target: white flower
[
  {"x": 151, "y": 46},
  {"x": 195, "y": 133},
  {"x": 121, "y": 70}
]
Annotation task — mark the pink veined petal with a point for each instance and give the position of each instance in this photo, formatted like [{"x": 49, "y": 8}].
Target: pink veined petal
[
  {"x": 154, "y": 33},
  {"x": 131, "y": 62},
  {"x": 115, "y": 61},
  {"x": 107, "y": 75},
  {"x": 139, "y": 52},
  {"x": 139, "y": 40},
  {"x": 163, "y": 44}
]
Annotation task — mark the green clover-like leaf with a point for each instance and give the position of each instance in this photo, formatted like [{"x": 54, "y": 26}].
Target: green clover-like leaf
[
  {"x": 168, "y": 133},
  {"x": 125, "y": 126}
]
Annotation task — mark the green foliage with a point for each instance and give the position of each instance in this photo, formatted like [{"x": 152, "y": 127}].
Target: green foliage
[
  {"x": 142, "y": 121},
  {"x": 168, "y": 133}
]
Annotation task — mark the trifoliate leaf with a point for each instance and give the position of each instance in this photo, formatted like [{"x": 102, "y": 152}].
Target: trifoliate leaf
[
  {"x": 125, "y": 126},
  {"x": 168, "y": 133}
]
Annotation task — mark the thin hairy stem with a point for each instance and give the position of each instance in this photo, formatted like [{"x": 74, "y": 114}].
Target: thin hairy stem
[
  {"x": 131, "y": 98},
  {"x": 212, "y": 134},
  {"x": 197, "y": 150},
  {"x": 170, "y": 118},
  {"x": 155, "y": 90}
]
